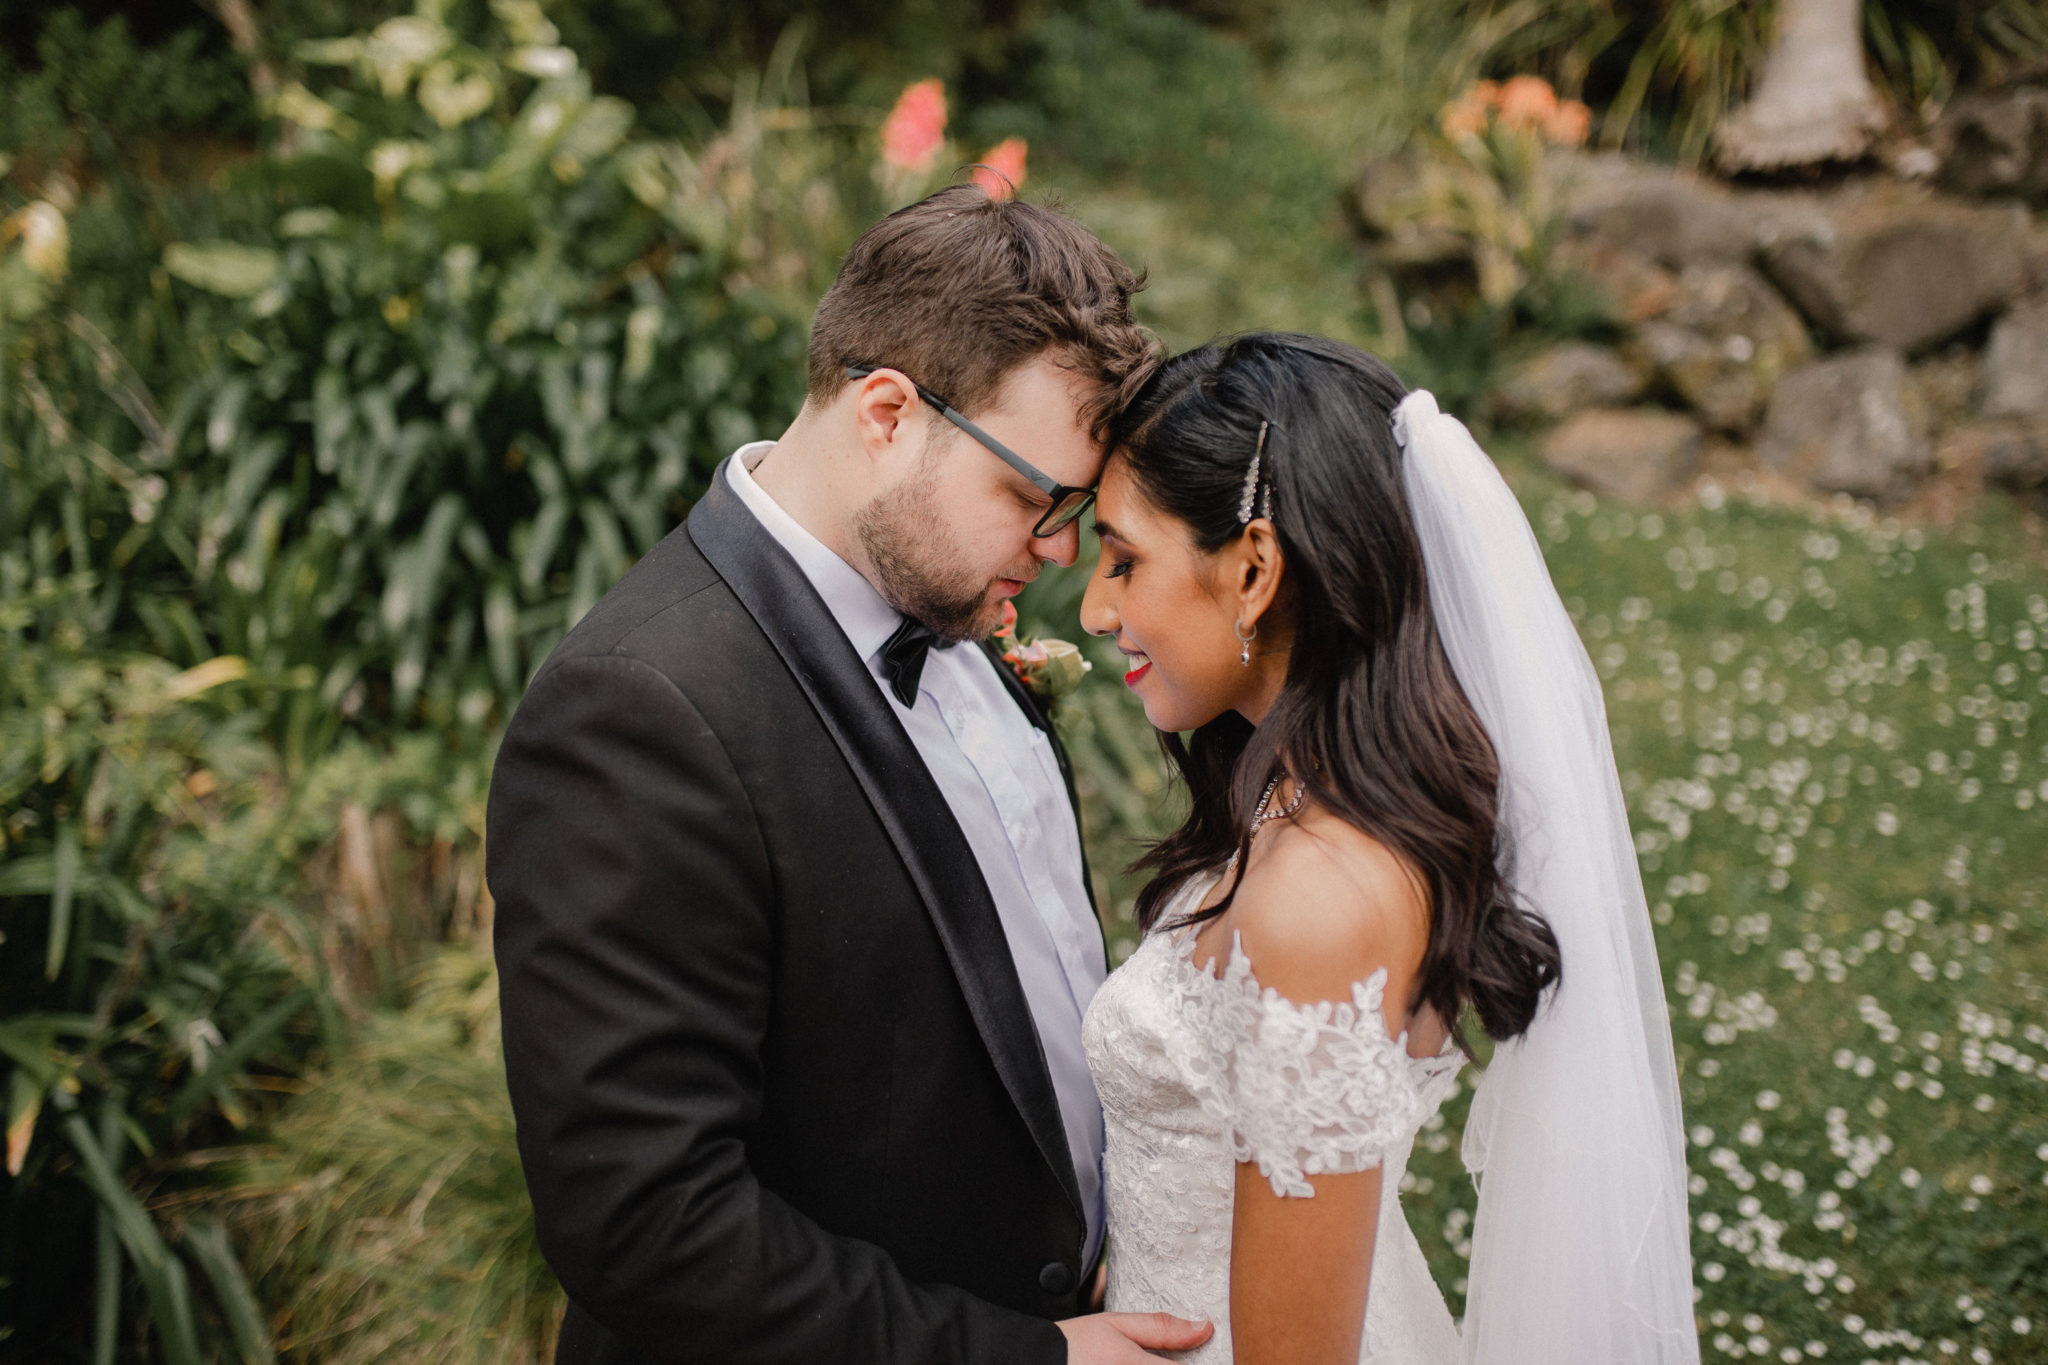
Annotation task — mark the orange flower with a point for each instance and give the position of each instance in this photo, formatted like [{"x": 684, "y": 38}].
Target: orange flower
[
  {"x": 1463, "y": 117},
  {"x": 1527, "y": 102},
  {"x": 916, "y": 127},
  {"x": 1569, "y": 123},
  {"x": 1001, "y": 172}
]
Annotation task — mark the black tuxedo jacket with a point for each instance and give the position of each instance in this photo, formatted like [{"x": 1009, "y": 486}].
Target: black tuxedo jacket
[{"x": 779, "y": 1094}]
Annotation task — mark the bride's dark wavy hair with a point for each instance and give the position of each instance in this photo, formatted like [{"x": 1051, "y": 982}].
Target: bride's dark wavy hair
[{"x": 1371, "y": 709}]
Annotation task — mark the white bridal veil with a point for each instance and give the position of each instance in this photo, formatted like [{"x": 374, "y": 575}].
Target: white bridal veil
[{"x": 1580, "y": 1250}]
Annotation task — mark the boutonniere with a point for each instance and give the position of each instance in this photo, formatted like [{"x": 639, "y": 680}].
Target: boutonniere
[{"x": 1049, "y": 668}]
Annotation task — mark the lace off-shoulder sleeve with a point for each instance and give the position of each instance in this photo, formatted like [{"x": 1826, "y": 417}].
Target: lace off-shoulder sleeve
[{"x": 1310, "y": 1089}]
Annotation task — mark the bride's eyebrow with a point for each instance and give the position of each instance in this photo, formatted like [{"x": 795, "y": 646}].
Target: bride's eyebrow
[{"x": 1105, "y": 531}]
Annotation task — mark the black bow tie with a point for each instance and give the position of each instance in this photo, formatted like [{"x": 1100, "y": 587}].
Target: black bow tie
[{"x": 903, "y": 657}]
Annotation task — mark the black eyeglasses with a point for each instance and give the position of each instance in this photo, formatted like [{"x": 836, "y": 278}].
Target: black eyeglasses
[{"x": 1068, "y": 502}]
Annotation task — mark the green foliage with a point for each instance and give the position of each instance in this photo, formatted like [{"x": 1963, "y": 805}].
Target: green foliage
[
  {"x": 1466, "y": 226},
  {"x": 167, "y": 968},
  {"x": 471, "y": 350},
  {"x": 1160, "y": 136},
  {"x": 150, "y": 969},
  {"x": 477, "y": 366},
  {"x": 1668, "y": 70},
  {"x": 386, "y": 1215},
  {"x": 88, "y": 91}
]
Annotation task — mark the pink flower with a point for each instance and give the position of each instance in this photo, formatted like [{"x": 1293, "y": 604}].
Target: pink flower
[
  {"x": 916, "y": 127},
  {"x": 1001, "y": 172}
]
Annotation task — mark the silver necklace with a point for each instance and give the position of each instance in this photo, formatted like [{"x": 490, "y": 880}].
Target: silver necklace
[{"x": 1266, "y": 811}]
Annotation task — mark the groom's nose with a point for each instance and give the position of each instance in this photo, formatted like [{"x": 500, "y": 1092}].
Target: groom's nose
[{"x": 1062, "y": 547}]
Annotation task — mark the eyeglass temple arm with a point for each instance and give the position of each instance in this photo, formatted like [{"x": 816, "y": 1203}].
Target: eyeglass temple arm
[{"x": 1044, "y": 482}]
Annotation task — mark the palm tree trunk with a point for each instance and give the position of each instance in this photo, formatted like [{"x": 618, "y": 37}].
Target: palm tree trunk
[{"x": 1815, "y": 103}]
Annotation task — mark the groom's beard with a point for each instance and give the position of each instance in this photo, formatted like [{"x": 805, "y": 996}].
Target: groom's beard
[{"x": 913, "y": 557}]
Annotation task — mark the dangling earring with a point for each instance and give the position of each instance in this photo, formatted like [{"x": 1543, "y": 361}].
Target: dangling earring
[{"x": 1244, "y": 641}]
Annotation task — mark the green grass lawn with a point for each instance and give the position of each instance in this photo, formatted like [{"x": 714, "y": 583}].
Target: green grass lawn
[{"x": 1824, "y": 723}]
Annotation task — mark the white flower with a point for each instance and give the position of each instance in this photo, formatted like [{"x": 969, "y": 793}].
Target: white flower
[{"x": 45, "y": 240}]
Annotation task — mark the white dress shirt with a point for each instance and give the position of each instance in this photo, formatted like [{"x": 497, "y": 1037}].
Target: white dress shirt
[{"x": 998, "y": 773}]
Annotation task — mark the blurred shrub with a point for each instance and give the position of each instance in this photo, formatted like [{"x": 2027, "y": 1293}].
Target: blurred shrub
[
  {"x": 485, "y": 356},
  {"x": 469, "y": 351},
  {"x": 1125, "y": 91},
  {"x": 168, "y": 969},
  {"x": 79, "y": 93},
  {"x": 1462, "y": 229},
  {"x": 156, "y": 967},
  {"x": 386, "y": 1213}
]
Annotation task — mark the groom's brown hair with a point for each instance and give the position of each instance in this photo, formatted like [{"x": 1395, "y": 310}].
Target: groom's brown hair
[{"x": 959, "y": 289}]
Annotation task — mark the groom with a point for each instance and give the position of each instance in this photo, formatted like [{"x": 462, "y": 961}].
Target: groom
[{"x": 793, "y": 929}]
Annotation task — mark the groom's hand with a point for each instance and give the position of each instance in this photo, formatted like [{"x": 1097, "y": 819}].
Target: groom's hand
[{"x": 1129, "y": 1338}]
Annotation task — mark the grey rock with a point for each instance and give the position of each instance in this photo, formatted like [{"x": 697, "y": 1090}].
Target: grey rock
[
  {"x": 1949, "y": 381},
  {"x": 1626, "y": 286},
  {"x": 1995, "y": 142},
  {"x": 1850, "y": 423},
  {"x": 1901, "y": 268},
  {"x": 1724, "y": 343},
  {"x": 2016, "y": 362},
  {"x": 1384, "y": 200},
  {"x": 1672, "y": 216},
  {"x": 2018, "y": 457},
  {"x": 1564, "y": 378},
  {"x": 1635, "y": 454},
  {"x": 2012, "y": 453}
]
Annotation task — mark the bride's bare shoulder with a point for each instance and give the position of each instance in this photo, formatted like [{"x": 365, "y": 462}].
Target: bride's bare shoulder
[{"x": 1324, "y": 905}]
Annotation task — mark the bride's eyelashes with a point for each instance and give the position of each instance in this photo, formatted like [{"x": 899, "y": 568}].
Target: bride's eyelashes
[{"x": 1117, "y": 568}]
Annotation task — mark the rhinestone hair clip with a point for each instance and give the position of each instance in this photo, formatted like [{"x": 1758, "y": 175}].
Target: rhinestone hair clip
[{"x": 1251, "y": 485}]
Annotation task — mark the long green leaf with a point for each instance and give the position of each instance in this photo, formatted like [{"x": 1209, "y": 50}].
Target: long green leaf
[
  {"x": 545, "y": 534},
  {"x": 63, "y": 881},
  {"x": 24, "y": 1105},
  {"x": 106, "y": 1315},
  {"x": 25, "y": 1040},
  {"x": 163, "y": 1277},
  {"x": 30, "y": 875},
  {"x": 106, "y": 1318},
  {"x": 501, "y": 635},
  {"x": 216, "y": 1256}
]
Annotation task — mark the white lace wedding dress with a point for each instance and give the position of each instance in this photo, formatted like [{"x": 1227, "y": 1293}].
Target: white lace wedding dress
[{"x": 1199, "y": 1072}]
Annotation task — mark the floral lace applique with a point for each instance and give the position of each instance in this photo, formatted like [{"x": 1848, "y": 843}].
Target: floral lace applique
[
  {"x": 1199, "y": 1072},
  {"x": 1309, "y": 1089}
]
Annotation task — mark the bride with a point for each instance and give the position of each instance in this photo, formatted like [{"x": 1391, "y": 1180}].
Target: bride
[{"x": 1404, "y": 814}]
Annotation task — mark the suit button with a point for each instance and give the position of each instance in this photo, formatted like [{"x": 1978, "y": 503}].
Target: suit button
[{"x": 1056, "y": 1279}]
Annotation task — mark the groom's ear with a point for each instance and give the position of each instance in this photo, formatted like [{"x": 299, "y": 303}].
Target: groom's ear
[{"x": 882, "y": 405}]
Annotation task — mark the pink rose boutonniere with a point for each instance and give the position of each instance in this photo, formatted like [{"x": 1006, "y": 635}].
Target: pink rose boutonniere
[{"x": 1049, "y": 668}]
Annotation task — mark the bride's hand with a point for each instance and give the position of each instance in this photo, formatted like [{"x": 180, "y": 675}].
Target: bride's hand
[{"x": 1129, "y": 1338}]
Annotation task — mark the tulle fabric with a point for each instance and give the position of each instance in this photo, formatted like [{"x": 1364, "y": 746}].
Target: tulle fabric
[{"x": 1580, "y": 1247}]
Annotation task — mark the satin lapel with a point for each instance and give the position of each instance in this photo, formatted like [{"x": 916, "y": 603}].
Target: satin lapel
[{"x": 904, "y": 796}]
